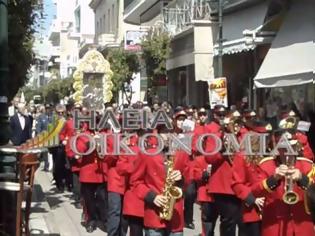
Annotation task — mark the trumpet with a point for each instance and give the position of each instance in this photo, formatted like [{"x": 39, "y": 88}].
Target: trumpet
[{"x": 290, "y": 197}]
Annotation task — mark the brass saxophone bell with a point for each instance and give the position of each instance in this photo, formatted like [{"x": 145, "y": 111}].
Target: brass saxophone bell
[
  {"x": 171, "y": 192},
  {"x": 176, "y": 192}
]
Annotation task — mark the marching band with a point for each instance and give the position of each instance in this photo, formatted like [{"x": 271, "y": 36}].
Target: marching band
[{"x": 153, "y": 192}]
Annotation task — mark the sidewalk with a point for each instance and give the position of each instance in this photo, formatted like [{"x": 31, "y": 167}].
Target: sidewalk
[{"x": 55, "y": 215}]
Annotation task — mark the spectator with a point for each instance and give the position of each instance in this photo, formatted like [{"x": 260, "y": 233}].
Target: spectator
[{"x": 21, "y": 126}]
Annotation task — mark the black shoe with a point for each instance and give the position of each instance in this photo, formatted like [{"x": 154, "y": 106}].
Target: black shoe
[
  {"x": 102, "y": 226},
  {"x": 69, "y": 189},
  {"x": 90, "y": 228},
  {"x": 190, "y": 226},
  {"x": 60, "y": 190},
  {"x": 78, "y": 205}
]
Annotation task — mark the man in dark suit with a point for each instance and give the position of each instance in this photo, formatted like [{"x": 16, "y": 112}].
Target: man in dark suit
[{"x": 21, "y": 126}]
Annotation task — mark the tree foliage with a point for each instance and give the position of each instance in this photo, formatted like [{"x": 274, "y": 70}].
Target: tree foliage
[
  {"x": 57, "y": 89},
  {"x": 23, "y": 16},
  {"x": 123, "y": 64},
  {"x": 156, "y": 50},
  {"x": 53, "y": 92}
]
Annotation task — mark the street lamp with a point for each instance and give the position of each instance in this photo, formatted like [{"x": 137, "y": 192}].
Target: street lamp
[{"x": 4, "y": 72}]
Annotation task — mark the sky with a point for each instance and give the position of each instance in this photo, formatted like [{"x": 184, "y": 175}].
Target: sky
[{"x": 42, "y": 44}]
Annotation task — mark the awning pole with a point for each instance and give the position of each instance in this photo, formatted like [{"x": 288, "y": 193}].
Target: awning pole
[
  {"x": 220, "y": 43},
  {"x": 250, "y": 92},
  {"x": 255, "y": 99}
]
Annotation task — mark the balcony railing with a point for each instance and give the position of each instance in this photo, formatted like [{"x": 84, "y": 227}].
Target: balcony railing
[{"x": 180, "y": 14}]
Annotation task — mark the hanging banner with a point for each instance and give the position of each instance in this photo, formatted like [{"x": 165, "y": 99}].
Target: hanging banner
[{"x": 218, "y": 92}]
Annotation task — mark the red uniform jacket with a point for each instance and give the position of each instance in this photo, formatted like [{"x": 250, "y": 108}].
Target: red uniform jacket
[
  {"x": 128, "y": 166},
  {"x": 280, "y": 219},
  {"x": 67, "y": 130},
  {"x": 91, "y": 166},
  {"x": 244, "y": 176},
  {"x": 200, "y": 166},
  {"x": 188, "y": 173},
  {"x": 66, "y": 133},
  {"x": 221, "y": 178},
  {"x": 150, "y": 182},
  {"x": 116, "y": 183},
  {"x": 307, "y": 150},
  {"x": 198, "y": 131}
]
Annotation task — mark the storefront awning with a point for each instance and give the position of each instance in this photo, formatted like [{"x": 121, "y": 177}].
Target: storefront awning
[
  {"x": 236, "y": 23},
  {"x": 290, "y": 60}
]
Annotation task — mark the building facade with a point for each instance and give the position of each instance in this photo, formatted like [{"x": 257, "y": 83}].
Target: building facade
[
  {"x": 110, "y": 30},
  {"x": 71, "y": 34}
]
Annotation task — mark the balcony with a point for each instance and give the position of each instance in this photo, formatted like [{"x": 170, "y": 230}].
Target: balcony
[
  {"x": 55, "y": 51},
  {"x": 86, "y": 40},
  {"x": 54, "y": 36},
  {"x": 94, "y": 4},
  {"x": 136, "y": 8},
  {"x": 106, "y": 39}
]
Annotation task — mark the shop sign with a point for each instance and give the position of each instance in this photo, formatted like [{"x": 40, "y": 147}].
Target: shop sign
[{"x": 218, "y": 92}]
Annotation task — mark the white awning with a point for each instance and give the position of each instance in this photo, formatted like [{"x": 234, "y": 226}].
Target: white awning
[
  {"x": 246, "y": 19},
  {"x": 290, "y": 60},
  {"x": 234, "y": 25}
]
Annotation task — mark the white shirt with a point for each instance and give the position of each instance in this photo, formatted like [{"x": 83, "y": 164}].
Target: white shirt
[
  {"x": 22, "y": 121},
  {"x": 11, "y": 110}
]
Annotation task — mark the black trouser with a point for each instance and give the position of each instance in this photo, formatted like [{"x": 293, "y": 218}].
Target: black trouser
[
  {"x": 253, "y": 228},
  {"x": 60, "y": 173},
  {"x": 76, "y": 186},
  {"x": 135, "y": 225},
  {"x": 209, "y": 215},
  {"x": 229, "y": 209},
  {"x": 44, "y": 158},
  {"x": 189, "y": 200},
  {"x": 117, "y": 225},
  {"x": 95, "y": 201}
]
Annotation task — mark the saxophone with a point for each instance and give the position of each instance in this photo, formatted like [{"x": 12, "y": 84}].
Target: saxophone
[{"x": 171, "y": 192}]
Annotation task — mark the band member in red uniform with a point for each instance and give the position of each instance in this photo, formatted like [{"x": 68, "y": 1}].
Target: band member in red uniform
[
  {"x": 311, "y": 200},
  {"x": 151, "y": 182},
  {"x": 284, "y": 179},
  {"x": 67, "y": 132},
  {"x": 133, "y": 206},
  {"x": 202, "y": 172},
  {"x": 245, "y": 174},
  {"x": 190, "y": 190},
  {"x": 300, "y": 136},
  {"x": 116, "y": 186},
  {"x": 92, "y": 184},
  {"x": 219, "y": 185}
]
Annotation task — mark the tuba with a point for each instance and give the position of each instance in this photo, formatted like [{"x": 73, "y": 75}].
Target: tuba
[
  {"x": 290, "y": 197},
  {"x": 171, "y": 192}
]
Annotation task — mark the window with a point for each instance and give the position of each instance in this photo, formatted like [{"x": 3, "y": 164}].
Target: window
[
  {"x": 113, "y": 17},
  {"x": 78, "y": 20},
  {"x": 104, "y": 20},
  {"x": 109, "y": 25},
  {"x": 101, "y": 25}
]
